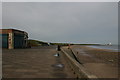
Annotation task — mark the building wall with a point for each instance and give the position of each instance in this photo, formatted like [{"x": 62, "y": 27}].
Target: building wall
[
  {"x": 4, "y": 40},
  {"x": 19, "y": 41},
  {"x": 12, "y": 38}
]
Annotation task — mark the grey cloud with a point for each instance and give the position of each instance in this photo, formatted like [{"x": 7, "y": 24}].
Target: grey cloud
[{"x": 64, "y": 22}]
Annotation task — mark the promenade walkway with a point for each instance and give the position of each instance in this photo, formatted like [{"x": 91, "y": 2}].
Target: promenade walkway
[{"x": 35, "y": 63}]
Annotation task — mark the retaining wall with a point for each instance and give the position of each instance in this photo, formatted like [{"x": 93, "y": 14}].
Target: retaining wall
[{"x": 78, "y": 69}]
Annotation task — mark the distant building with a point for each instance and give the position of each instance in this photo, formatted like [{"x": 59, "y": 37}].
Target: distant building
[{"x": 12, "y": 38}]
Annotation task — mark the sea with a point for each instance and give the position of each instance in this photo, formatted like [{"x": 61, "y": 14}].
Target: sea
[{"x": 109, "y": 47}]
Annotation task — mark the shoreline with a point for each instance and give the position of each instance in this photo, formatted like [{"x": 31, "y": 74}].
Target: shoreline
[{"x": 106, "y": 49}]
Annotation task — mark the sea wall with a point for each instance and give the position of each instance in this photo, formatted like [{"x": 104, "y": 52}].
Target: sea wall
[{"x": 78, "y": 69}]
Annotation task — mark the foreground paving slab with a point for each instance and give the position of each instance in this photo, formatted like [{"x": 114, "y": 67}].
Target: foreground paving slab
[{"x": 35, "y": 63}]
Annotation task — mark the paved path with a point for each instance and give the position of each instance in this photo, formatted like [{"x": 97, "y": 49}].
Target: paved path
[{"x": 35, "y": 63}]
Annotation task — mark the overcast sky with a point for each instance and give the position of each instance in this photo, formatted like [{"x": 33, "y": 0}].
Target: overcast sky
[
  {"x": 80, "y": 22},
  {"x": 59, "y": 0}
]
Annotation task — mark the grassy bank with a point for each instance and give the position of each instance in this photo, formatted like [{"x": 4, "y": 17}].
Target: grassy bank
[{"x": 36, "y": 43}]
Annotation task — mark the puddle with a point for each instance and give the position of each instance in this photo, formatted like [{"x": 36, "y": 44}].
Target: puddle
[
  {"x": 57, "y": 55},
  {"x": 58, "y": 65},
  {"x": 59, "y": 70}
]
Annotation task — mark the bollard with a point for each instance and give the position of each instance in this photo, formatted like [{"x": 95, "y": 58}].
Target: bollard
[
  {"x": 68, "y": 46},
  {"x": 59, "y": 48},
  {"x": 77, "y": 52}
]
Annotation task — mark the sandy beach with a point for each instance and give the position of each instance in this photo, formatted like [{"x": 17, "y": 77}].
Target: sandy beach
[
  {"x": 107, "y": 56},
  {"x": 101, "y": 62}
]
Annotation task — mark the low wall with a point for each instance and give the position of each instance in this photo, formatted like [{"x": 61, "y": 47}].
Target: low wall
[{"x": 78, "y": 69}]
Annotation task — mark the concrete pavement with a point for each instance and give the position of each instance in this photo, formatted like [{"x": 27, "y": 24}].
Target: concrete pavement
[{"x": 35, "y": 63}]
